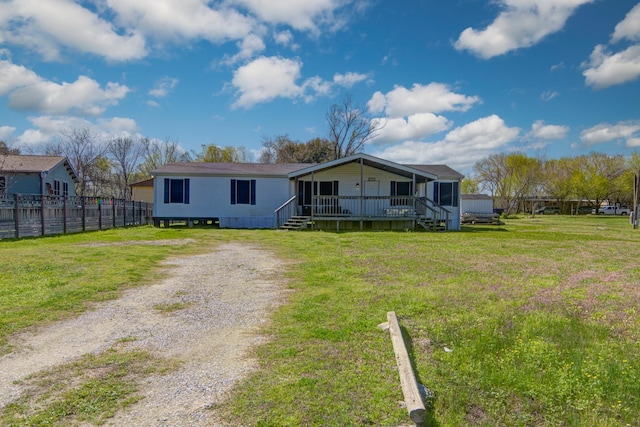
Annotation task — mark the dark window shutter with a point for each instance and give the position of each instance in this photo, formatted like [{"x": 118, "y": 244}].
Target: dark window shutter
[
  {"x": 167, "y": 187},
  {"x": 335, "y": 188},
  {"x": 253, "y": 191},
  {"x": 186, "y": 191},
  {"x": 455, "y": 196},
  {"x": 233, "y": 191},
  {"x": 436, "y": 191},
  {"x": 393, "y": 188}
]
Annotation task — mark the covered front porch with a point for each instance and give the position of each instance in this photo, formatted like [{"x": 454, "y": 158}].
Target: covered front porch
[{"x": 364, "y": 213}]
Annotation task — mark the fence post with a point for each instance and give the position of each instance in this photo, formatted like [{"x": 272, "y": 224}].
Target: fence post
[
  {"x": 16, "y": 215},
  {"x": 99, "y": 213},
  {"x": 42, "y": 214},
  {"x": 64, "y": 214},
  {"x": 84, "y": 214},
  {"x": 113, "y": 211}
]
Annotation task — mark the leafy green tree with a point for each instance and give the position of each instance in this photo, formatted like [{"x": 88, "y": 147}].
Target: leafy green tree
[
  {"x": 597, "y": 177},
  {"x": 214, "y": 154},
  {"x": 282, "y": 149},
  {"x": 556, "y": 181},
  {"x": 470, "y": 186},
  {"x": 509, "y": 177}
]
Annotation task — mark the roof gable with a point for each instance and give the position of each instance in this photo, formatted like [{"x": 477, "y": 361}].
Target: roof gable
[{"x": 35, "y": 164}]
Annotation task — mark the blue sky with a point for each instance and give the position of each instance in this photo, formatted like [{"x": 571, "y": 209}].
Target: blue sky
[{"x": 453, "y": 81}]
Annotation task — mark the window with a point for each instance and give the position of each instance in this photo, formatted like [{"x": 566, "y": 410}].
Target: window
[
  {"x": 243, "y": 192},
  {"x": 3, "y": 184},
  {"x": 404, "y": 188},
  {"x": 56, "y": 187},
  {"x": 176, "y": 191},
  {"x": 446, "y": 193},
  {"x": 65, "y": 188}
]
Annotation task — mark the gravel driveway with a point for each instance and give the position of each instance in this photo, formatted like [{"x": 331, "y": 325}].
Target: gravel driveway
[{"x": 227, "y": 295}]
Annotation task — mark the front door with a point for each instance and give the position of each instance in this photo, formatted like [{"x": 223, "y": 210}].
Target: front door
[{"x": 371, "y": 202}]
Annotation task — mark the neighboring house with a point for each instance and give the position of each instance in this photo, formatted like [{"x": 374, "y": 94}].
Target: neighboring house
[
  {"x": 356, "y": 192},
  {"x": 47, "y": 175},
  {"x": 142, "y": 191}
]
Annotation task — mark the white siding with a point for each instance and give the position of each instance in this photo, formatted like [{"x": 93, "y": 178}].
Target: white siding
[
  {"x": 210, "y": 197},
  {"x": 349, "y": 176},
  {"x": 477, "y": 205}
]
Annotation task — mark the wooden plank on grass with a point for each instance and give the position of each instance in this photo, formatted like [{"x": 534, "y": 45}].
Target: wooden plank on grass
[{"x": 412, "y": 397}]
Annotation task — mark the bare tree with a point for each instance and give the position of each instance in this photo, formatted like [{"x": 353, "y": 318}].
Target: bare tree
[
  {"x": 349, "y": 128},
  {"x": 125, "y": 153},
  {"x": 158, "y": 153},
  {"x": 83, "y": 149}
]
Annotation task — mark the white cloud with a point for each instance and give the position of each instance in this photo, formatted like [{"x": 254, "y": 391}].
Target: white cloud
[
  {"x": 461, "y": 148},
  {"x": 522, "y": 23},
  {"x": 46, "y": 26},
  {"x": 349, "y": 79},
  {"x": 606, "y": 69},
  {"x": 14, "y": 76},
  {"x": 5, "y": 132},
  {"x": 548, "y": 95},
  {"x": 28, "y": 91},
  {"x": 84, "y": 96},
  {"x": 432, "y": 98},
  {"x": 605, "y": 132},
  {"x": 247, "y": 49},
  {"x": 416, "y": 126},
  {"x": 163, "y": 86},
  {"x": 629, "y": 27},
  {"x": 547, "y": 132},
  {"x": 47, "y": 128},
  {"x": 267, "y": 78},
  {"x": 300, "y": 14},
  {"x": 283, "y": 38},
  {"x": 184, "y": 19}
]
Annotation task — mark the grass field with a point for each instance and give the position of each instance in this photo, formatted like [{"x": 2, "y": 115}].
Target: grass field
[{"x": 539, "y": 318}]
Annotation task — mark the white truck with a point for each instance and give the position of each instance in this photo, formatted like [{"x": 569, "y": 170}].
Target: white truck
[{"x": 613, "y": 210}]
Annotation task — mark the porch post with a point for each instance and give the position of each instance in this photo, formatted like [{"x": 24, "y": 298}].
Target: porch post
[
  {"x": 415, "y": 211},
  {"x": 313, "y": 197}
]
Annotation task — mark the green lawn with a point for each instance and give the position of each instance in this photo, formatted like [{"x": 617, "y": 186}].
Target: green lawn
[{"x": 540, "y": 316}]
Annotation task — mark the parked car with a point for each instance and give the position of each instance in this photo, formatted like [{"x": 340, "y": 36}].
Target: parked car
[
  {"x": 584, "y": 210},
  {"x": 547, "y": 210},
  {"x": 612, "y": 210}
]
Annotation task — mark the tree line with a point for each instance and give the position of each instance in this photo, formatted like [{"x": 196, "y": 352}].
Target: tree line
[{"x": 515, "y": 179}]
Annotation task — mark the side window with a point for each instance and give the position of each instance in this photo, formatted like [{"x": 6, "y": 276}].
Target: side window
[
  {"x": 243, "y": 191},
  {"x": 3, "y": 184},
  {"x": 446, "y": 193},
  {"x": 65, "y": 188},
  {"x": 176, "y": 190},
  {"x": 56, "y": 187}
]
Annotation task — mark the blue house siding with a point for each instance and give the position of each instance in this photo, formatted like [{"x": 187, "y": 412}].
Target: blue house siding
[{"x": 49, "y": 175}]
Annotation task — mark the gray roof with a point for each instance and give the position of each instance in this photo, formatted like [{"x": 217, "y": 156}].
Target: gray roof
[
  {"x": 476, "y": 197},
  {"x": 34, "y": 164},
  {"x": 300, "y": 169},
  {"x": 441, "y": 171},
  {"x": 229, "y": 169}
]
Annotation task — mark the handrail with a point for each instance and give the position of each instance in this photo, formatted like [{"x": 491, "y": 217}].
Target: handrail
[
  {"x": 282, "y": 206},
  {"x": 284, "y": 211}
]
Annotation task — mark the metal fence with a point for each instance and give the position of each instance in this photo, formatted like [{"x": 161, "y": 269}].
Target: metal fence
[{"x": 27, "y": 215}]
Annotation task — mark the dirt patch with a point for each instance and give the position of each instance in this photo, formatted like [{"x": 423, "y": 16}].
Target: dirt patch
[{"x": 227, "y": 295}]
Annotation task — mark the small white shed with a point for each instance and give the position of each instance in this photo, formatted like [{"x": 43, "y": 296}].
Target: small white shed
[{"x": 476, "y": 203}]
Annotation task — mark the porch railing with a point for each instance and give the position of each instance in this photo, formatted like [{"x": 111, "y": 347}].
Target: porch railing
[
  {"x": 285, "y": 211},
  {"x": 366, "y": 208}
]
